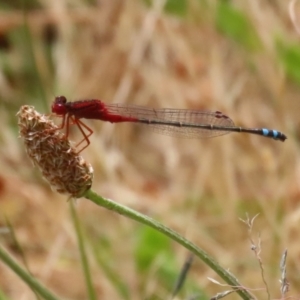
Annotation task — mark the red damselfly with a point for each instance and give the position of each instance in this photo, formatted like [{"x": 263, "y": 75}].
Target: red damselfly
[{"x": 174, "y": 122}]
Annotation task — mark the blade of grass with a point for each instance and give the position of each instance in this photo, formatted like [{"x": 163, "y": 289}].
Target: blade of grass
[
  {"x": 134, "y": 215},
  {"x": 83, "y": 256},
  {"x": 182, "y": 275},
  {"x": 20, "y": 249},
  {"x": 31, "y": 58},
  {"x": 7, "y": 259}
]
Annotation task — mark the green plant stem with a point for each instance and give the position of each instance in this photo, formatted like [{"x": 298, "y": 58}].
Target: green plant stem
[
  {"x": 83, "y": 256},
  {"x": 6, "y": 258},
  {"x": 134, "y": 215}
]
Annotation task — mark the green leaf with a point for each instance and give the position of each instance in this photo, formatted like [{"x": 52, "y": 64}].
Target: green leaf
[
  {"x": 289, "y": 56},
  {"x": 150, "y": 245},
  {"x": 176, "y": 7},
  {"x": 236, "y": 26},
  {"x": 2, "y": 296}
]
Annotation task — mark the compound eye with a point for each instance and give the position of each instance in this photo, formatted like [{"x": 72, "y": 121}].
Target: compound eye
[
  {"x": 59, "y": 105},
  {"x": 61, "y": 99}
]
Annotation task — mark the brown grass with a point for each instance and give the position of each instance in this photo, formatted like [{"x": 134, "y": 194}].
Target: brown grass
[{"x": 125, "y": 52}]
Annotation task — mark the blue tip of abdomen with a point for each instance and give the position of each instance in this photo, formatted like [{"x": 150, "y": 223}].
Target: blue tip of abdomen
[{"x": 276, "y": 135}]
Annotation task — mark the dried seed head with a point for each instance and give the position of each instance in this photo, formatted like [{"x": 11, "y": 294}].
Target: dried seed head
[{"x": 48, "y": 148}]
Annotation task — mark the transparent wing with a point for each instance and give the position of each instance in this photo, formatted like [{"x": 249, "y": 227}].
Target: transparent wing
[{"x": 176, "y": 122}]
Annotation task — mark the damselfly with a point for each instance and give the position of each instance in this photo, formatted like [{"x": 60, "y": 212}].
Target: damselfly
[{"x": 174, "y": 122}]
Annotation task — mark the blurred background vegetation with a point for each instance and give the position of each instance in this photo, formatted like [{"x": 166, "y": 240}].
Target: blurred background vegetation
[{"x": 239, "y": 57}]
